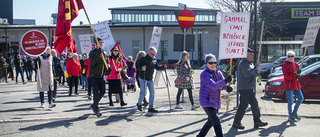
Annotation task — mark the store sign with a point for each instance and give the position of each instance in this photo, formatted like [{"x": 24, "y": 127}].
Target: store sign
[
  {"x": 305, "y": 12},
  {"x": 311, "y": 33},
  {"x": 234, "y": 35},
  {"x": 34, "y": 43}
]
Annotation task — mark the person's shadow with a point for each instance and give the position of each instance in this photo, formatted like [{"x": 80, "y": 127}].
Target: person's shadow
[
  {"x": 277, "y": 129},
  {"x": 264, "y": 132}
]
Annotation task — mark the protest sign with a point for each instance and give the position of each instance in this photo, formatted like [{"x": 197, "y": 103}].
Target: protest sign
[
  {"x": 34, "y": 43},
  {"x": 156, "y": 36},
  {"x": 85, "y": 43},
  {"x": 311, "y": 33},
  {"x": 103, "y": 31},
  {"x": 234, "y": 35}
]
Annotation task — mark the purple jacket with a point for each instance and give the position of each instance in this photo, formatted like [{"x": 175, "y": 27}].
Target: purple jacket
[
  {"x": 130, "y": 69},
  {"x": 211, "y": 83}
]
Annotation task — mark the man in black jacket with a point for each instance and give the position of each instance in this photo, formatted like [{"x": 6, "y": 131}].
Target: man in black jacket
[
  {"x": 98, "y": 71},
  {"x": 146, "y": 66},
  {"x": 18, "y": 64}
]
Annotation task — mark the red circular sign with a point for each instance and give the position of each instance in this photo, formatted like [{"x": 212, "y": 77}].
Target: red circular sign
[
  {"x": 186, "y": 18},
  {"x": 34, "y": 43}
]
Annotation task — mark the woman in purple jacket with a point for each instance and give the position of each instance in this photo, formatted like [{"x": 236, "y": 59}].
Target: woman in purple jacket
[{"x": 211, "y": 82}]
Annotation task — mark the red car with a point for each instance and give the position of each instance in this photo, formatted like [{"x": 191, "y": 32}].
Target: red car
[{"x": 309, "y": 80}]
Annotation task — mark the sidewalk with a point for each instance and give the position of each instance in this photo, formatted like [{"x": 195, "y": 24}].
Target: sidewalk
[{"x": 21, "y": 103}]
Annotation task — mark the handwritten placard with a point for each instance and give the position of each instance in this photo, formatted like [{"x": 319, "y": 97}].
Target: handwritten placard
[
  {"x": 311, "y": 33},
  {"x": 234, "y": 35},
  {"x": 85, "y": 43},
  {"x": 156, "y": 36},
  {"x": 103, "y": 31}
]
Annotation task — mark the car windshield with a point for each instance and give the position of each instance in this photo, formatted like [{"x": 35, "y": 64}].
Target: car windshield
[
  {"x": 305, "y": 58},
  {"x": 297, "y": 59},
  {"x": 310, "y": 68},
  {"x": 280, "y": 60}
]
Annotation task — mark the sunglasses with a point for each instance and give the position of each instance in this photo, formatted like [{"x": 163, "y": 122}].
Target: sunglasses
[
  {"x": 212, "y": 63},
  {"x": 290, "y": 56},
  {"x": 116, "y": 50}
]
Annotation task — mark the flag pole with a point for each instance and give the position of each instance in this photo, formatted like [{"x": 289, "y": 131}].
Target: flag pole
[
  {"x": 95, "y": 37},
  {"x": 261, "y": 35},
  {"x": 304, "y": 55},
  {"x": 230, "y": 70}
]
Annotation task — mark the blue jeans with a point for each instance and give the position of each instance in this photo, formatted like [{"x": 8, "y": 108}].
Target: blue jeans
[
  {"x": 84, "y": 81},
  {"x": 150, "y": 85},
  {"x": 299, "y": 95},
  {"x": 213, "y": 121},
  {"x": 30, "y": 75},
  {"x": 21, "y": 73}
]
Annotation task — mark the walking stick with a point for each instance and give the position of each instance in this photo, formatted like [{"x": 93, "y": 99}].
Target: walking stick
[
  {"x": 39, "y": 76},
  {"x": 145, "y": 89},
  {"x": 229, "y": 83}
]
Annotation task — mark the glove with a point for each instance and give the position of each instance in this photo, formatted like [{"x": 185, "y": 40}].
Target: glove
[
  {"x": 228, "y": 79},
  {"x": 99, "y": 50},
  {"x": 118, "y": 72},
  {"x": 299, "y": 71},
  {"x": 298, "y": 76},
  {"x": 229, "y": 89}
]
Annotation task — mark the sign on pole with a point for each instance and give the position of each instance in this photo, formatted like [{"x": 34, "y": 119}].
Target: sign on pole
[
  {"x": 85, "y": 43},
  {"x": 103, "y": 31},
  {"x": 311, "y": 33},
  {"x": 156, "y": 36},
  {"x": 234, "y": 35},
  {"x": 186, "y": 18},
  {"x": 34, "y": 43}
]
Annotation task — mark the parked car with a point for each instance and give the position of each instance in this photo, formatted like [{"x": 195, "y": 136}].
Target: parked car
[
  {"x": 309, "y": 80},
  {"x": 307, "y": 61},
  {"x": 266, "y": 68}
]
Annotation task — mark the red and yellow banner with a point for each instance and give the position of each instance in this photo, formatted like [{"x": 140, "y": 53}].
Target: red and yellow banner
[{"x": 68, "y": 10}]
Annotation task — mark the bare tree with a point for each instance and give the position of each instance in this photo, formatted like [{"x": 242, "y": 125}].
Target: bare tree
[{"x": 248, "y": 6}]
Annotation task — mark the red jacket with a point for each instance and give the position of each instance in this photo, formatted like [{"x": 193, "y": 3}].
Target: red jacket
[
  {"x": 289, "y": 70},
  {"x": 73, "y": 68},
  {"x": 117, "y": 67},
  {"x": 87, "y": 68}
]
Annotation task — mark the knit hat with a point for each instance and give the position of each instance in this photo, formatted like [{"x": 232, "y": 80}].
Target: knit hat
[{"x": 210, "y": 56}]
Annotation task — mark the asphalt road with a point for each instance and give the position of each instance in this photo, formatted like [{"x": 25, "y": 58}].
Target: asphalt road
[{"x": 157, "y": 126}]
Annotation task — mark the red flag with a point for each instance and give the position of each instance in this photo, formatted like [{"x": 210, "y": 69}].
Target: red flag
[
  {"x": 68, "y": 10},
  {"x": 120, "y": 51}
]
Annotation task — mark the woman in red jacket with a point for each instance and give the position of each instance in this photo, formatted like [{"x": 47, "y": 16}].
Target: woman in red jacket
[
  {"x": 73, "y": 69},
  {"x": 87, "y": 69},
  {"x": 291, "y": 73},
  {"x": 114, "y": 79}
]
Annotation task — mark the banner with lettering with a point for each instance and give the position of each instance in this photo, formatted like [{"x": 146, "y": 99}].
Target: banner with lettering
[
  {"x": 85, "y": 43},
  {"x": 156, "y": 36},
  {"x": 311, "y": 33},
  {"x": 103, "y": 31},
  {"x": 234, "y": 35}
]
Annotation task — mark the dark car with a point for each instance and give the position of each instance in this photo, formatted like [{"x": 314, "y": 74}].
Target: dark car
[
  {"x": 309, "y": 80},
  {"x": 266, "y": 68},
  {"x": 308, "y": 60}
]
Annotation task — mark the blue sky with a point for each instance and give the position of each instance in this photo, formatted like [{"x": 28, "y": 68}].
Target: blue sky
[{"x": 97, "y": 10}]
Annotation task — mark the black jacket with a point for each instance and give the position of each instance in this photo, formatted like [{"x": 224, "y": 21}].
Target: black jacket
[
  {"x": 30, "y": 65},
  {"x": 18, "y": 64},
  {"x": 97, "y": 66},
  {"x": 151, "y": 64},
  {"x": 57, "y": 69}
]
